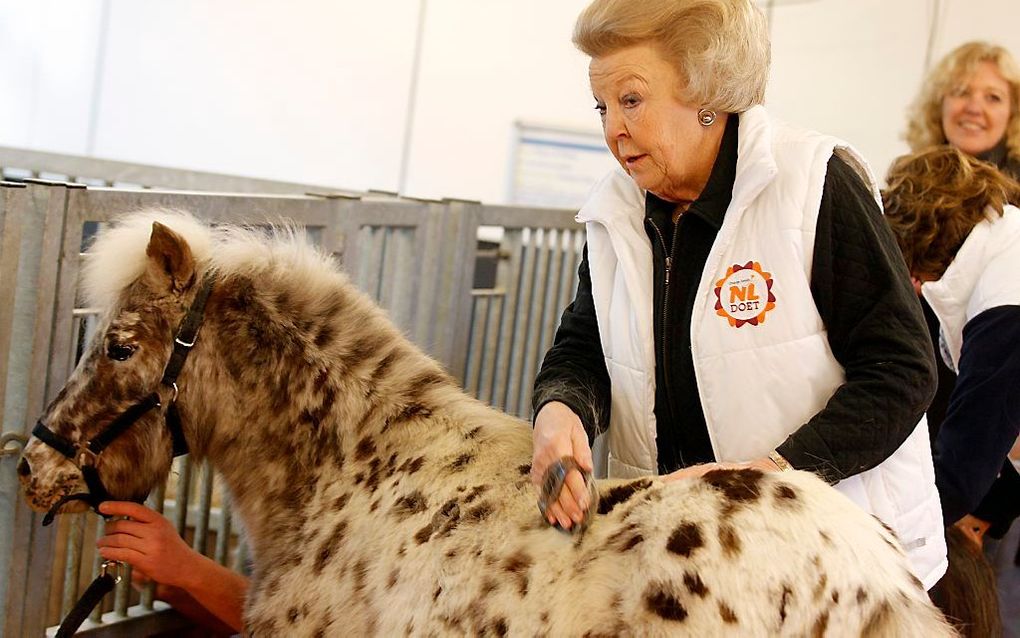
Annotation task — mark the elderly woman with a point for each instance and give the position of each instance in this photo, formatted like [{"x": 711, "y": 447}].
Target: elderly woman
[
  {"x": 741, "y": 299},
  {"x": 961, "y": 238},
  {"x": 971, "y": 100}
]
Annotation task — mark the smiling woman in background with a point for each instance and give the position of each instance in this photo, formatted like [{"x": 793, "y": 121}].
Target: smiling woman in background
[
  {"x": 970, "y": 101},
  {"x": 741, "y": 300}
]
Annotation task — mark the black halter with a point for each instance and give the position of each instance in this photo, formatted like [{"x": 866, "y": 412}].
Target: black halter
[{"x": 85, "y": 454}]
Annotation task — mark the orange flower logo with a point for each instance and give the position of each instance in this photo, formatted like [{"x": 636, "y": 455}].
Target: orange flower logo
[{"x": 744, "y": 295}]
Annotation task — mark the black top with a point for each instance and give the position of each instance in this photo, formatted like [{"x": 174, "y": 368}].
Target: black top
[
  {"x": 999, "y": 155},
  {"x": 980, "y": 423},
  {"x": 862, "y": 291}
]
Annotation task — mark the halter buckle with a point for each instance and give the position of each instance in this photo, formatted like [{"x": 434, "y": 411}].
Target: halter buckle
[
  {"x": 185, "y": 344},
  {"x": 118, "y": 570},
  {"x": 86, "y": 456}
]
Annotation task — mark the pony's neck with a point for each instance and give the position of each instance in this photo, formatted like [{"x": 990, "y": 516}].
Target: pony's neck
[{"x": 285, "y": 384}]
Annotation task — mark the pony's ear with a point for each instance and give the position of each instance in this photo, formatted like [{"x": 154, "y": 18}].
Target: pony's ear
[{"x": 171, "y": 267}]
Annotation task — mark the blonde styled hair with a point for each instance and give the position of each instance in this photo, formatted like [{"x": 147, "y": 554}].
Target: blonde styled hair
[
  {"x": 720, "y": 48},
  {"x": 934, "y": 199},
  {"x": 924, "y": 127}
]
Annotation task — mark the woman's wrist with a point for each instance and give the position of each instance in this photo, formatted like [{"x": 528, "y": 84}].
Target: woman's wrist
[
  {"x": 197, "y": 571},
  {"x": 555, "y": 412}
]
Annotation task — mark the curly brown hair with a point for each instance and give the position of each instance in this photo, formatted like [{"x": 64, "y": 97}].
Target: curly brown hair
[{"x": 933, "y": 200}]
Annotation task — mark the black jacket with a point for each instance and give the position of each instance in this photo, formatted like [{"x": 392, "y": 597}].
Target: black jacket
[
  {"x": 863, "y": 293},
  {"x": 975, "y": 419}
]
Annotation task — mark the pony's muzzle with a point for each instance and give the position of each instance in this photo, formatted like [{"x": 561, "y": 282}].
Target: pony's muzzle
[{"x": 24, "y": 469}]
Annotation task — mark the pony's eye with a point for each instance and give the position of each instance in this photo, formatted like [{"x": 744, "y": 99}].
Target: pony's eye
[{"x": 119, "y": 351}]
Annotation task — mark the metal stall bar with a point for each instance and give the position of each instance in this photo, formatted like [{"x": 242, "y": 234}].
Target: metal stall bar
[
  {"x": 489, "y": 350},
  {"x": 13, "y": 201},
  {"x": 482, "y": 302},
  {"x": 48, "y": 206},
  {"x": 481, "y": 348},
  {"x": 72, "y": 568},
  {"x": 205, "y": 492},
  {"x": 113, "y": 172},
  {"x": 371, "y": 257},
  {"x": 525, "y": 303},
  {"x": 508, "y": 273},
  {"x": 552, "y": 308},
  {"x": 224, "y": 531},
  {"x": 97, "y": 562},
  {"x": 398, "y": 258},
  {"x": 532, "y": 342},
  {"x": 524, "y": 277},
  {"x": 398, "y": 294},
  {"x": 40, "y": 210},
  {"x": 429, "y": 253},
  {"x": 12, "y": 205},
  {"x": 452, "y": 309}
]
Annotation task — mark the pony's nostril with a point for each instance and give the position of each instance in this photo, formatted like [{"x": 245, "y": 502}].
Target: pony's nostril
[{"x": 23, "y": 467}]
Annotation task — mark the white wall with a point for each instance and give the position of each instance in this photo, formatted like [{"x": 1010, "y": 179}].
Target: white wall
[
  {"x": 48, "y": 51},
  {"x": 485, "y": 64},
  {"x": 318, "y": 91},
  {"x": 300, "y": 90},
  {"x": 852, "y": 67}
]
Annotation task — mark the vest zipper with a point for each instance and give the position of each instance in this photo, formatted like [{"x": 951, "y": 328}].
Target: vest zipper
[
  {"x": 665, "y": 301},
  {"x": 665, "y": 291},
  {"x": 665, "y": 310}
]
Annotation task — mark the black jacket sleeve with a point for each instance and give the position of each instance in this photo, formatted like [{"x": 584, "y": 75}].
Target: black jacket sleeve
[
  {"x": 1001, "y": 505},
  {"x": 983, "y": 419},
  {"x": 876, "y": 331},
  {"x": 574, "y": 370}
]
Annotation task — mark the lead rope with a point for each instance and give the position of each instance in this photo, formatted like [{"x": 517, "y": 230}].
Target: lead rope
[{"x": 101, "y": 586}]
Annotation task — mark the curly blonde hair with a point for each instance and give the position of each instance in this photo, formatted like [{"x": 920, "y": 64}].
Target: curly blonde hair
[
  {"x": 720, "y": 48},
  {"x": 933, "y": 200},
  {"x": 924, "y": 124}
]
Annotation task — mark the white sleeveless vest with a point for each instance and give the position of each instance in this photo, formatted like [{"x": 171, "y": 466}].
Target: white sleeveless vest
[
  {"x": 761, "y": 356},
  {"x": 983, "y": 275}
]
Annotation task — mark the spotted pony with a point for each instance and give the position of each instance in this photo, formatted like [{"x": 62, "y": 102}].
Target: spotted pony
[{"x": 379, "y": 499}]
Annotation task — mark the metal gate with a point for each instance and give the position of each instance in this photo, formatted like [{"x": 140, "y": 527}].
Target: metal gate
[{"x": 415, "y": 258}]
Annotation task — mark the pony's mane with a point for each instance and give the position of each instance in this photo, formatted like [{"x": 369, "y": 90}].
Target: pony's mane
[{"x": 117, "y": 257}]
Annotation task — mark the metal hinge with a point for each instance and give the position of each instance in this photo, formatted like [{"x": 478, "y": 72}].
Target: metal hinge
[{"x": 7, "y": 438}]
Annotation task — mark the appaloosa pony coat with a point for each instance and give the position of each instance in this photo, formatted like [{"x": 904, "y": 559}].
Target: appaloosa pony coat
[{"x": 380, "y": 500}]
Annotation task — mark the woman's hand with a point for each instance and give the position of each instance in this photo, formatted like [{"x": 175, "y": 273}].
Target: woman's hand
[
  {"x": 559, "y": 433},
  {"x": 148, "y": 542},
  {"x": 974, "y": 529}
]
